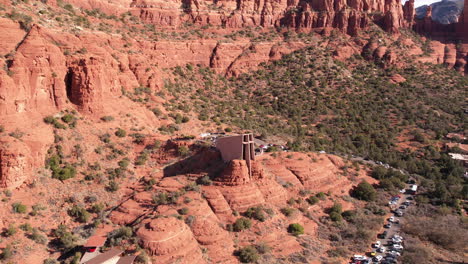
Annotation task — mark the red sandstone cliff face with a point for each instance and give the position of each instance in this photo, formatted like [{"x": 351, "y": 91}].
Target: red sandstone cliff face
[
  {"x": 15, "y": 163},
  {"x": 348, "y": 17}
]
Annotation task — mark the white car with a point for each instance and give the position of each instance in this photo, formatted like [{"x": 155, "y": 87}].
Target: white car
[
  {"x": 359, "y": 257},
  {"x": 377, "y": 244},
  {"x": 378, "y": 258},
  {"x": 397, "y": 236},
  {"x": 394, "y": 253},
  {"x": 381, "y": 250},
  {"x": 397, "y": 247},
  {"x": 402, "y": 190},
  {"x": 391, "y": 219}
]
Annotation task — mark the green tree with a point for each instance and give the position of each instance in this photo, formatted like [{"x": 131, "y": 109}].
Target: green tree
[{"x": 364, "y": 191}]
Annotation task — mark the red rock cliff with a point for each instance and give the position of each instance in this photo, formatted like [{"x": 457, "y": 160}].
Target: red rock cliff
[{"x": 347, "y": 16}]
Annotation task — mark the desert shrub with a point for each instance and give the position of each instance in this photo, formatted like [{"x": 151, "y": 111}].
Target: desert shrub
[
  {"x": 242, "y": 224},
  {"x": 124, "y": 163},
  {"x": 349, "y": 215},
  {"x": 156, "y": 111},
  {"x": 312, "y": 200},
  {"x": 120, "y": 133},
  {"x": 364, "y": 191},
  {"x": 248, "y": 254},
  {"x": 338, "y": 252},
  {"x": 183, "y": 151},
  {"x": 97, "y": 208},
  {"x": 6, "y": 253},
  {"x": 429, "y": 224},
  {"x": 116, "y": 237},
  {"x": 67, "y": 172},
  {"x": 105, "y": 138},
  {"x": 26, "y": 227},
  {"x": 11, "y": 230},
  {"x": 183, "y": 211},
  {"x": 296, "y": 229},
  {"x": 164, "y": 198},
  {"x": 255, "y": 213},
  {"x": 335, "y": 212},
  {"x": 205, "y": 180},
  {"x": 19, "y": 208},
  {"x": 138, "y": 138},
  {"x": 68, "y": 118},
  {"x": 142, "y": 158},
  {"x": 107, "y": 118},
  {"x": 113, "y": 186},
  {"x": 287, "y": 211},
  {"x": 321, "y": 195},
  {"x": 262, "y": 247},
  {"x": 79, "y": 213},
  {"x": 37, "y": 237},
  {"x": 65, "y": 239},
  {"x": 416, "y": 252}
]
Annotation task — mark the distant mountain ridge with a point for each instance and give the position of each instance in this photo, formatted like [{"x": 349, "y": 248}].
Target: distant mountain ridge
[{"x": 444, "y": 12}]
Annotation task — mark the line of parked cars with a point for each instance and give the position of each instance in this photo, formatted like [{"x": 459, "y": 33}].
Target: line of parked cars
[{"x": 387, "y": 254}]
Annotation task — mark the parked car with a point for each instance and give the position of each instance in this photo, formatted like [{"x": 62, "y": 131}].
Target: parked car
[
  {"x": 402, "y": 190},
  {"x": 397, "y": 247},
  {"x": 387, "y": 225},
  {"x": 407, "y": 203},
  {"x": 383, "y": 235},
  {"x": 381, "y": 249},
  {"x": 378, "y": 258},
  {"x": 399, "y": 213},
  {"x": 377, "y": 244},
  {"x": 403, "y": 206},
  {"x": 393, "y": 253},
  {"x": 359, "y": 257}
]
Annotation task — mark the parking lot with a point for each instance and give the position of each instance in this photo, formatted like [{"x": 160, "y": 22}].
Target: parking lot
[{"x": 389, "y": 245}]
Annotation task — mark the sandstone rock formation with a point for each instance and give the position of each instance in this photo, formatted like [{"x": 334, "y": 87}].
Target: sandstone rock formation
[
  {"x": 15, "y": 163},
  {"x": 170, "y": 240},
  {"x": 347, "y": 17}
]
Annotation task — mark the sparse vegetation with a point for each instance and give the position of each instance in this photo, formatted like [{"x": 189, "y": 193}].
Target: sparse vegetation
[
  {"x": 19, "y": 208},
  {"x": 242, "y": 224},
  {"x": 248, "y": 254},
  {"x": 296, "y": 229}
]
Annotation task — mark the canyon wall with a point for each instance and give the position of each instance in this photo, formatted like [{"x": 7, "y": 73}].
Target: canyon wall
[{"x": 347, "y": 16}]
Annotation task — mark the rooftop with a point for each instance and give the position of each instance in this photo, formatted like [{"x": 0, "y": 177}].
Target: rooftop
[
  {"x": 126, "y": 260},
  {"x": 113, "y": 252}
]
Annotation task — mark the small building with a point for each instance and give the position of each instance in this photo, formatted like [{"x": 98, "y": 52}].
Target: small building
[
  {"x": 240, "y": 147},
  {"x": 92, "y": 247},
  {"x": 460, "y": 157},
  {"x": 93, "y": 255},
  {"x": 111, "y": 256}
]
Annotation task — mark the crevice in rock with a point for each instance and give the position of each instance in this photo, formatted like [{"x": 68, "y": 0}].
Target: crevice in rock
[{"x": 69, "y": 83}]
